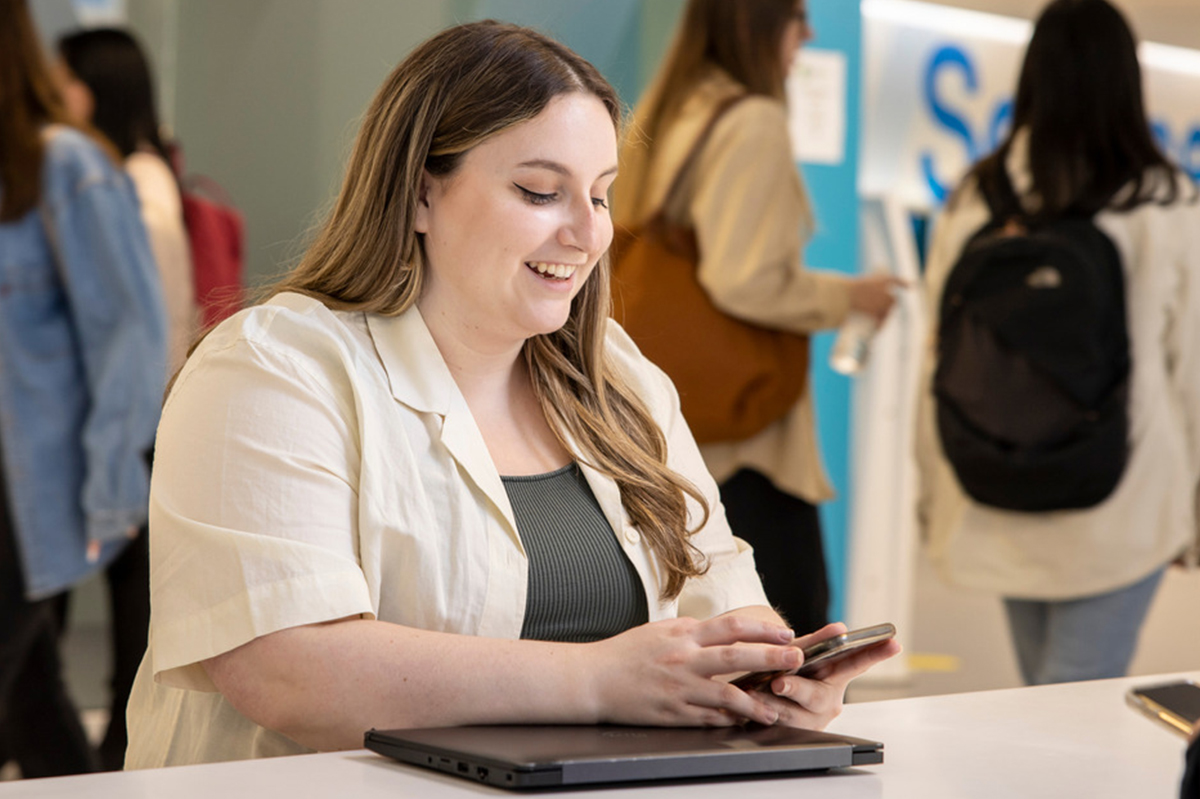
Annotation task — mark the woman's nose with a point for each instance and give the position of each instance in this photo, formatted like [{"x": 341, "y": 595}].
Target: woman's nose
[{"x": 584, "y": 230}]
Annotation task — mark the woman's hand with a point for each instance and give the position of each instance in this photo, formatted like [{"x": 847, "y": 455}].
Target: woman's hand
[
  {"x": 874, "y": 295},
  {"x": 662, "y": 673},
  {"x": 812, "y": 702}
]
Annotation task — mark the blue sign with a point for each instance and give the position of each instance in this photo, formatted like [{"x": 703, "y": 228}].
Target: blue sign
[{"x": 956, "y": 61}]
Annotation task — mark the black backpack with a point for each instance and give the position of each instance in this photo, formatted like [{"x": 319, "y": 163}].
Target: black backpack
[{"x": 1032, "y": 379}]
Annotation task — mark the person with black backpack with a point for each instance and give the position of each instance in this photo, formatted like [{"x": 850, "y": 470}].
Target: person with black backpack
[{"x": 1059, "y": 424}]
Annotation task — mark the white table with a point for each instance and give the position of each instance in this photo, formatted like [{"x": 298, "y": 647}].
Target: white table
[{"x": 1060, "y": 742}]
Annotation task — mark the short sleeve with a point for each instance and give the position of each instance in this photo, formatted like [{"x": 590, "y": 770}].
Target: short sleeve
[{"x": 253, "y": 507}]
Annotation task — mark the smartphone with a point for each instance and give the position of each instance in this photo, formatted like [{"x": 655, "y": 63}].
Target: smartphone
[
  {"x": 819, "y": 654},
  {"x": 1175, "y": 704}
]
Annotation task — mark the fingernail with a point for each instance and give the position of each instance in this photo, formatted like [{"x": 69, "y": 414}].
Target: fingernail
[
  {"x": 786, "y": 635},
  {"x": 771, "y": 716}
]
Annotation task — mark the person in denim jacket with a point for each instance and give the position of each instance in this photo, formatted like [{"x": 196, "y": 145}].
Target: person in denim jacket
[
  {"x": 105, "y": 81},
  {"x": 82, "y": 363}
]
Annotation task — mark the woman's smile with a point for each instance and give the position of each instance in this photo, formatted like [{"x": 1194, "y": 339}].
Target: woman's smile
[{"x": 552, "y": 271}]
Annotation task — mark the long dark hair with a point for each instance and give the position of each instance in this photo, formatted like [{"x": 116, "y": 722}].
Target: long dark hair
[
  {"x": 112, "y": 65},
  {"x": 1080, "y": 99},
  {"x": 741, "y": 37},
  {"x": 28, "y": 101}
]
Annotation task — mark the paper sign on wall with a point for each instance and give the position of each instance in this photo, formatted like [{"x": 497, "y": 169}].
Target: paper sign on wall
[{"x": 816, "y": 90}]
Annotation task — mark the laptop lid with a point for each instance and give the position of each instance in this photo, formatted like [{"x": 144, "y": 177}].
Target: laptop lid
[{"x": 536, "y": 756}]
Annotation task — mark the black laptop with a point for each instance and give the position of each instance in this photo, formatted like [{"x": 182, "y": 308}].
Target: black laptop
[{"x": 533, "y": 756}]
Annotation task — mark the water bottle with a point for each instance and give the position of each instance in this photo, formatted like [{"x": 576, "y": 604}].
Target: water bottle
[{"x": 852, "y": 347}]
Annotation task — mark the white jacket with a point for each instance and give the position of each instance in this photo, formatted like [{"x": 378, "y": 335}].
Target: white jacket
[{"x": 1151, "y": 517}]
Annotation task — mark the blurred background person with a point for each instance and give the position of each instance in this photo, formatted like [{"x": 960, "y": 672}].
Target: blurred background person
[
  {"x": 105, "y": 82},
  {"x": 1077, "y": 583},
  {"x": 82, "y": 364},
  {"x": 752, "y": 218}
]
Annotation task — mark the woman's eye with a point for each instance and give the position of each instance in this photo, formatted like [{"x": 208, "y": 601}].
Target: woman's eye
[
  {"x": 535, "y": 197},
  {"x": 599, "y": 202}
]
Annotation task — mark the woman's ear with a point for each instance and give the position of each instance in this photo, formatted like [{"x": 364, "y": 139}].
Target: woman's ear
[{"x": 424, "y": 192}]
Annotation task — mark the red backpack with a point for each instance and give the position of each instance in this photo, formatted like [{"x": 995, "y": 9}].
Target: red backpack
[{"x": 216, "y": 233}]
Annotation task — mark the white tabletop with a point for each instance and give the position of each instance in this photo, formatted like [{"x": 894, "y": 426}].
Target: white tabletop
[{"x": 1063, "y": 741}]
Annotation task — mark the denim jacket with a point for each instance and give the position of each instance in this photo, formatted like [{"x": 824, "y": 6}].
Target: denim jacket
[{"x": 82, "y": 362}]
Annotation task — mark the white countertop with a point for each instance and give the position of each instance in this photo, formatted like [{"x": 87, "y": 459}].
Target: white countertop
[{"x": 1062, "y": 741}]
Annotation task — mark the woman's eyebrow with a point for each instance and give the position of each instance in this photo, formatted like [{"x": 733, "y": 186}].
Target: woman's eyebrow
[{"x": 555, "y": 166}]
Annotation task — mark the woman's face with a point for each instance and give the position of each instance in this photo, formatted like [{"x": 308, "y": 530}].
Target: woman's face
[
  {"x": 77, "y": 97},
  {"x": 796, "y": 33},
  {"x": 511, "y": 236}
]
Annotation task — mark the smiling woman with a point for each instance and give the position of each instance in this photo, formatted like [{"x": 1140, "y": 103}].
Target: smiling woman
[
  {"x": 535, "y": 199},
  {"x": 430, "y": 466}
]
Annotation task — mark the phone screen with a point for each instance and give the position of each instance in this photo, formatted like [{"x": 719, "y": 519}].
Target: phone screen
[{"x": 1182, "y": 699}]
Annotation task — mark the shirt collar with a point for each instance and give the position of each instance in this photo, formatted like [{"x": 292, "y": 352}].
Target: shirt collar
[
  {"x": 416, "y": 371},
  {"x": 419, "y": 378}
]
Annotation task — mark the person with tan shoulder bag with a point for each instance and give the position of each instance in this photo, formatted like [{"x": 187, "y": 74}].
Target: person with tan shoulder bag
[{"x": 708, "y": 278}]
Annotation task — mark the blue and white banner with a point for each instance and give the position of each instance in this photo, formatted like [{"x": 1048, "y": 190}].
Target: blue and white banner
[{"x": 938, "y": 85}]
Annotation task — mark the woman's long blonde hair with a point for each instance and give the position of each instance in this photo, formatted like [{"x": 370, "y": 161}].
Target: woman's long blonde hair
[
  {"x": 453, "y": 92},
  {"x": 741, "y": 38}
]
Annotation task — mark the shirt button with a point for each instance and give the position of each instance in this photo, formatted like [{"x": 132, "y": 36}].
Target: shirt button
[{"x": 632, "y": 535}]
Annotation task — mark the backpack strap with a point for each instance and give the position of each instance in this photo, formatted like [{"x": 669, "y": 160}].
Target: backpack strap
[
  {"x": 1000, "y": 196},
  {"x": 694, "y": 154}
]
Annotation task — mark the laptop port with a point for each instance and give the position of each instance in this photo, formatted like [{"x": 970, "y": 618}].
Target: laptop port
[
  {"x": 481, "y": 772},
  {"x": 463, "y": 767}
]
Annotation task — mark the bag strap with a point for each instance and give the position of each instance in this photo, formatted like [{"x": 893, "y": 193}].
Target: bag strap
[
  {"x": 1002, "y": 200},
  {"x": 694, "y": 154}
]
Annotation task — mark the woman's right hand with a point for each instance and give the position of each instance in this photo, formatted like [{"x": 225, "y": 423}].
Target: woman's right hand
[
  {"x": 874, "y": 295},
  {"x": 663, "y": 673}
]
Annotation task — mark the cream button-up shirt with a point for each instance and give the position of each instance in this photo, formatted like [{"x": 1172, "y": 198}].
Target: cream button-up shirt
[{"x": 314, "y": 465}]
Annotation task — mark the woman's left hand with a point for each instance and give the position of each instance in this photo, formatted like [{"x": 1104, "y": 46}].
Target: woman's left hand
[{"x": 812, "y": 702}]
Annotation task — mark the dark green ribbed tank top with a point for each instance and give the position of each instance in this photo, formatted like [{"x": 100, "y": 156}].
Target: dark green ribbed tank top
[{"x": 582, "y": 586}]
